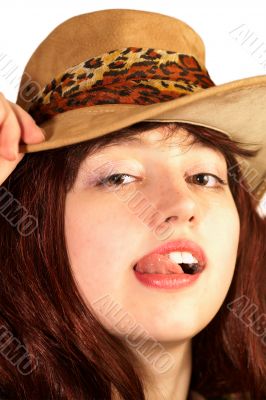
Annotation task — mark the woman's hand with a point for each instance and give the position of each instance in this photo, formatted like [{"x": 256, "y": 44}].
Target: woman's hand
[{"x": 15, "y": 124}]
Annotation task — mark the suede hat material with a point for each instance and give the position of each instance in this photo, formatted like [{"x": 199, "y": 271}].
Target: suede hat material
[{"x": 102, "y": 71}]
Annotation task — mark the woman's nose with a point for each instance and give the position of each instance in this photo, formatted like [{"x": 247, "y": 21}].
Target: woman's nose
[
  {"x": 182, "y": 212},
  {"x": 173, "y": 218},
  {"x": 178, "y": 211},
  {"x": 179, "y": 204}
]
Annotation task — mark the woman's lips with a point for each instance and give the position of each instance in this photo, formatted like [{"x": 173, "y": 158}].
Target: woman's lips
[
  {"x": 181, "y": 245},
  {"x": 157, "y": 270},
  {"x": 166, "y": 281}
]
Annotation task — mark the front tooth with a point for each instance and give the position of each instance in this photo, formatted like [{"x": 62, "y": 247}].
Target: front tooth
[
  {"x": 182, "y": 257},
  {"x": 188, "y": 258},
  {"x": 176, "y": 256}
]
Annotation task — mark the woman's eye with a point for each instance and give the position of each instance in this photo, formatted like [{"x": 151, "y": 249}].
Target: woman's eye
[
  {"x": 113, "y": 180},
  {"x": 202, "y": 179},
  {"x": 208, "y": 180}
]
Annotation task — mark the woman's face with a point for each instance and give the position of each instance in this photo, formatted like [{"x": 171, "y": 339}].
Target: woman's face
[{"x": 106, "y": 234}]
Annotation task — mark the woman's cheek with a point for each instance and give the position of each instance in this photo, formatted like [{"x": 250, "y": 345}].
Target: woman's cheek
[{"x": 224, "y": 250}]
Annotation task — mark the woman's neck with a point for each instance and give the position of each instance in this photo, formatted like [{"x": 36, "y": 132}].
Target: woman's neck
[{"x": 173, "y": 383}]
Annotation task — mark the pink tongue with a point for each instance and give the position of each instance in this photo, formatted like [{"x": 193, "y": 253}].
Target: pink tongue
[{"x": 158, "y": 263}]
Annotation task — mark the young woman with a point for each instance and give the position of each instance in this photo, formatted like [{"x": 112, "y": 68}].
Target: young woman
[{"x": 132, "y": 259}]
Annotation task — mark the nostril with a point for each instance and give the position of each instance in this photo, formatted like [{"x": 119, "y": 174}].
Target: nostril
[{"x": 169, "y": 218}]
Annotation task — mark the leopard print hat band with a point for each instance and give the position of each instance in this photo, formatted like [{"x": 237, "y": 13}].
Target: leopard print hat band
[
  {"x": 101, "y": 71},
  {"x": 124, "y": 76}
]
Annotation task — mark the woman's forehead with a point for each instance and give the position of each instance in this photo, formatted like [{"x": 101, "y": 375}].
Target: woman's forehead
[
  {"x": 159, "y": 138},
  {"x": 178, "y": 142},
  {"x": 158, "y": 135}
]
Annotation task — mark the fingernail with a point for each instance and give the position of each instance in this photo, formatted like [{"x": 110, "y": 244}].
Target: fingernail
[{"x": 12, "y": 154}]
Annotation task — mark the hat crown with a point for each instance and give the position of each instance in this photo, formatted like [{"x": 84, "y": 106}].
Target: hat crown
[{"x": 92, "y": 34}]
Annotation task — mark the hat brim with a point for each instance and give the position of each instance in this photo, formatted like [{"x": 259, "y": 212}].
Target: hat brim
[{"x": 237, "y": 108}]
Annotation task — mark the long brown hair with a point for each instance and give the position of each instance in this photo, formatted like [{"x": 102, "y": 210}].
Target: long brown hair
[{"x": 53, "y": 347}]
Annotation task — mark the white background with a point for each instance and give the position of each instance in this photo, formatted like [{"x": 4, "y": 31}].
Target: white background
[{"x": 234, "y": 33}]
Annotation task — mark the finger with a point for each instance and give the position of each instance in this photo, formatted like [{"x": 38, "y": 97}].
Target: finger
[
  {"x": 7, "y": 167},
  {"x": 9, "y": 131},
  {"x": 30, "y": 132}
]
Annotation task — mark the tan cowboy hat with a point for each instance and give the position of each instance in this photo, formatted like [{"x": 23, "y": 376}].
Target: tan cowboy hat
[{"x": 102, "y": 71}]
